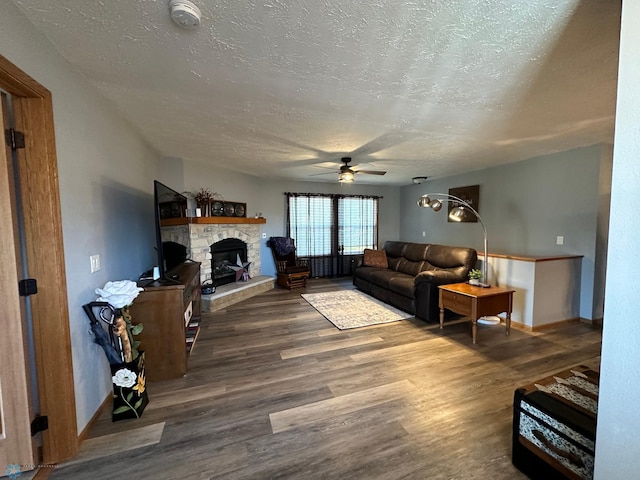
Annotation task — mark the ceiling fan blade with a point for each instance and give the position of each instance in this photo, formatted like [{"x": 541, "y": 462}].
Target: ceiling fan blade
[
  {"x": 371, "y": 172},
  {"x": 323, "y": 173}
]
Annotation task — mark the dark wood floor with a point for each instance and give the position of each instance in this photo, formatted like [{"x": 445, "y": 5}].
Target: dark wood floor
[{"x": 274, "y": 391}]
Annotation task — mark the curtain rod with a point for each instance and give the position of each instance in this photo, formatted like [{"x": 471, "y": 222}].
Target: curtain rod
[{"x": 333, "y": 195}]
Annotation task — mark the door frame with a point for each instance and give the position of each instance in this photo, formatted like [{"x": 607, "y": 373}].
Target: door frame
[{"x": 33, "y": 112}]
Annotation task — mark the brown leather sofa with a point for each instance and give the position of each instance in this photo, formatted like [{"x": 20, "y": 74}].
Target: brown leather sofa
[{"x": 410, "y": 282}]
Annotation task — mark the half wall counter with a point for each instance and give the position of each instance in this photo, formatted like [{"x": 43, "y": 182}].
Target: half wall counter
[{"x": 547, "y": 287}]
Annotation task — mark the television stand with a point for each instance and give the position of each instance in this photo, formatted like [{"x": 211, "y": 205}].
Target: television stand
[
  {"x": 170, "y": 315},
  {"x": 173, "y": 280}
]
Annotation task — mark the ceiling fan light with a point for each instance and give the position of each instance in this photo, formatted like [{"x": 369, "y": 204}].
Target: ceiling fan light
[{"x": 345, "y": 177}]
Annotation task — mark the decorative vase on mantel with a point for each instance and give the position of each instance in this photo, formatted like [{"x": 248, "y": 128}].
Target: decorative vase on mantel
[{"x": 205, "y": 209}]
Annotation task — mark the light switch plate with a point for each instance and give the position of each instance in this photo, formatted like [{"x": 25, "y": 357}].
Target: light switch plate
[{"x": 95, "y": 263}]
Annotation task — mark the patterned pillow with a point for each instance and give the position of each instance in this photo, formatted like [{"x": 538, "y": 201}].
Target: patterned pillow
[{"x": 375, "y": 258}]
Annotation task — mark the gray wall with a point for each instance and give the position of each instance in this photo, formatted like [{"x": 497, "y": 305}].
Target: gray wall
[
  {"x": 106, "y": 194},
  {"x": 267, "y": 197},
  {"x": 618, "y": 433},
  {"x": 525, "y": 206}
]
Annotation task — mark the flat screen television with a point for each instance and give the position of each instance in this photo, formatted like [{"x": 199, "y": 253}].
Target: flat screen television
[{"x": 171, "y": 236}]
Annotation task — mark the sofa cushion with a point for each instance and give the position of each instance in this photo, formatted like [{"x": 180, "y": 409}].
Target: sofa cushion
[
  {"x": 410, "y": 268},
  {"x": 394, "y": 262},
  {"x": 457, "y": 261},
  {"x": 416, "y": 252},
  {"x": 381, "y": 277},
  {"x": 375, "y": 258},
  {"x": 394, "y": 249},
  {"x": 366, "y": 272},
  {"x": 402, "y": 284},
  {"x": 442, "y": 256}
]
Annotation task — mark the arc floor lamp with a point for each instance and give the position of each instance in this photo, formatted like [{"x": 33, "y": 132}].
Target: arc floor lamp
[{"x": 434, "y": 201}]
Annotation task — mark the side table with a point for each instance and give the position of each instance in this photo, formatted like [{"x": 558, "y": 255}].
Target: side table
[{"x": 475, "y": 302}]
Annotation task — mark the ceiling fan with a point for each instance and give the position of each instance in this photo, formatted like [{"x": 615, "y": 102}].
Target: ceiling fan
[{"x": 346, "y": 174}]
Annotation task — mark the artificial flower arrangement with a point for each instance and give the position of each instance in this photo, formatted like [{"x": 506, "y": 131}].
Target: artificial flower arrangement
[
  {"x": 203, "y": 199},
  {"x": 475, "y": 276},
  {"x": 120, "y": 346}
]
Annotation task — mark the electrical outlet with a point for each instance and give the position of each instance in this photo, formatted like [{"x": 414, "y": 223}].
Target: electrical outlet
[
  {"x": 424, "y": 234},
  {"x": 95, "y": 263},
  {"x": 559, "y": 240}
]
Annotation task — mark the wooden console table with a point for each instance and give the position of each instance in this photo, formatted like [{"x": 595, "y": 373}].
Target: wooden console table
[
  {"x": 170, "y": 316},
  {"x": 475, "y": 302}
]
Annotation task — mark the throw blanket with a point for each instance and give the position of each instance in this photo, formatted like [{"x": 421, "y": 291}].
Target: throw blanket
[{"x": 282, "y": 245}]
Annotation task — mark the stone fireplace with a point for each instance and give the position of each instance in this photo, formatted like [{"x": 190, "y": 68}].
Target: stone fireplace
[{"x": 201, "y": 236}]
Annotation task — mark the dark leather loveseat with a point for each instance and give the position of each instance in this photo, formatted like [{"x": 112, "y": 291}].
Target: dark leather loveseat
[{"x": 410, "y": 281}]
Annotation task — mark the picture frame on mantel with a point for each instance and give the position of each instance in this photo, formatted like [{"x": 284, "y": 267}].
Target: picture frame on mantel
[{"x": 471, "y": 195}]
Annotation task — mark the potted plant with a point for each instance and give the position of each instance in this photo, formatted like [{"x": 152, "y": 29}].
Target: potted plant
[
  {"x": 475, "y": 276},
  {"x": 203, "y": 199}
]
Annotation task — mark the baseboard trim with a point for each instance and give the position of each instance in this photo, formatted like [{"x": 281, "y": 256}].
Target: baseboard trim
[{"x": 546, "y": 326}]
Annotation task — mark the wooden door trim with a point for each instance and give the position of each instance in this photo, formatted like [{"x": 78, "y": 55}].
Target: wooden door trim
[
  {"x": 14, "y": 399},
  {"x": 33, "y": 111}
]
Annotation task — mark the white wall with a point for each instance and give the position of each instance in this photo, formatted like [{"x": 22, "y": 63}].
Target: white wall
[
  {"x": 267, "y": 197},
  {"x": 618, "y": 433},
  {"x": 525, "y": 206},
  {"x": 106, "y": 193}
]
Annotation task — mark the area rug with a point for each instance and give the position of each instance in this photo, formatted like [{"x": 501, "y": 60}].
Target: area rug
[{"x": 353, "y": 309}]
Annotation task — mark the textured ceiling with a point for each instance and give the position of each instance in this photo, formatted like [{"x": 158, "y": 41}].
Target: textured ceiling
[{"x": 284, "y": 88}]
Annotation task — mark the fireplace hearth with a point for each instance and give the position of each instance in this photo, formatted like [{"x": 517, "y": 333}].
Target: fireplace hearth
[{"x": 224, "y": 255}]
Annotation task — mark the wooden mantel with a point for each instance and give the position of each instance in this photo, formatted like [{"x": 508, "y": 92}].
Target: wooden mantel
[{"x": 212, "y": 220}]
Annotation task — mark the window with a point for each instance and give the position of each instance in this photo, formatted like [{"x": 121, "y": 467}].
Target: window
[
  {"x": 310, "y": 224},
  {"x": 331, "y": 229},
  {"x": 357, "y": 224}
]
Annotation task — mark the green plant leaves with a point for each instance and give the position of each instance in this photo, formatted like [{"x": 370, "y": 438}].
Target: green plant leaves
[{"x": 137, "y": 329}]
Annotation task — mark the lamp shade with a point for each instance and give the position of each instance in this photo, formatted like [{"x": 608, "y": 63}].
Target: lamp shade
[
  {"x": 457, "y": 214},
  {"x": 424, "y": 201},
  {"x": 436, "y": 205}
]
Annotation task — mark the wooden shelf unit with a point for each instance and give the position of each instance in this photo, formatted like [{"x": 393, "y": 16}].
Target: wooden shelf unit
[{"x": 170, "y": 314}]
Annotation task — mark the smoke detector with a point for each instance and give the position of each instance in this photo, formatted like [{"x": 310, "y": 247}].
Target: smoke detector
[
  {"x": 419, "y": 180},
  {"x": 184, "y": 13}
]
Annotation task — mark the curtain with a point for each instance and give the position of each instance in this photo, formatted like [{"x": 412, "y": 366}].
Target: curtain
[{"x": 331, "y": 230}]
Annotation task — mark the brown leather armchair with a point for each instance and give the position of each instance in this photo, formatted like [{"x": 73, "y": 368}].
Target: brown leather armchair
[{"x": 292, "y": 271}]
